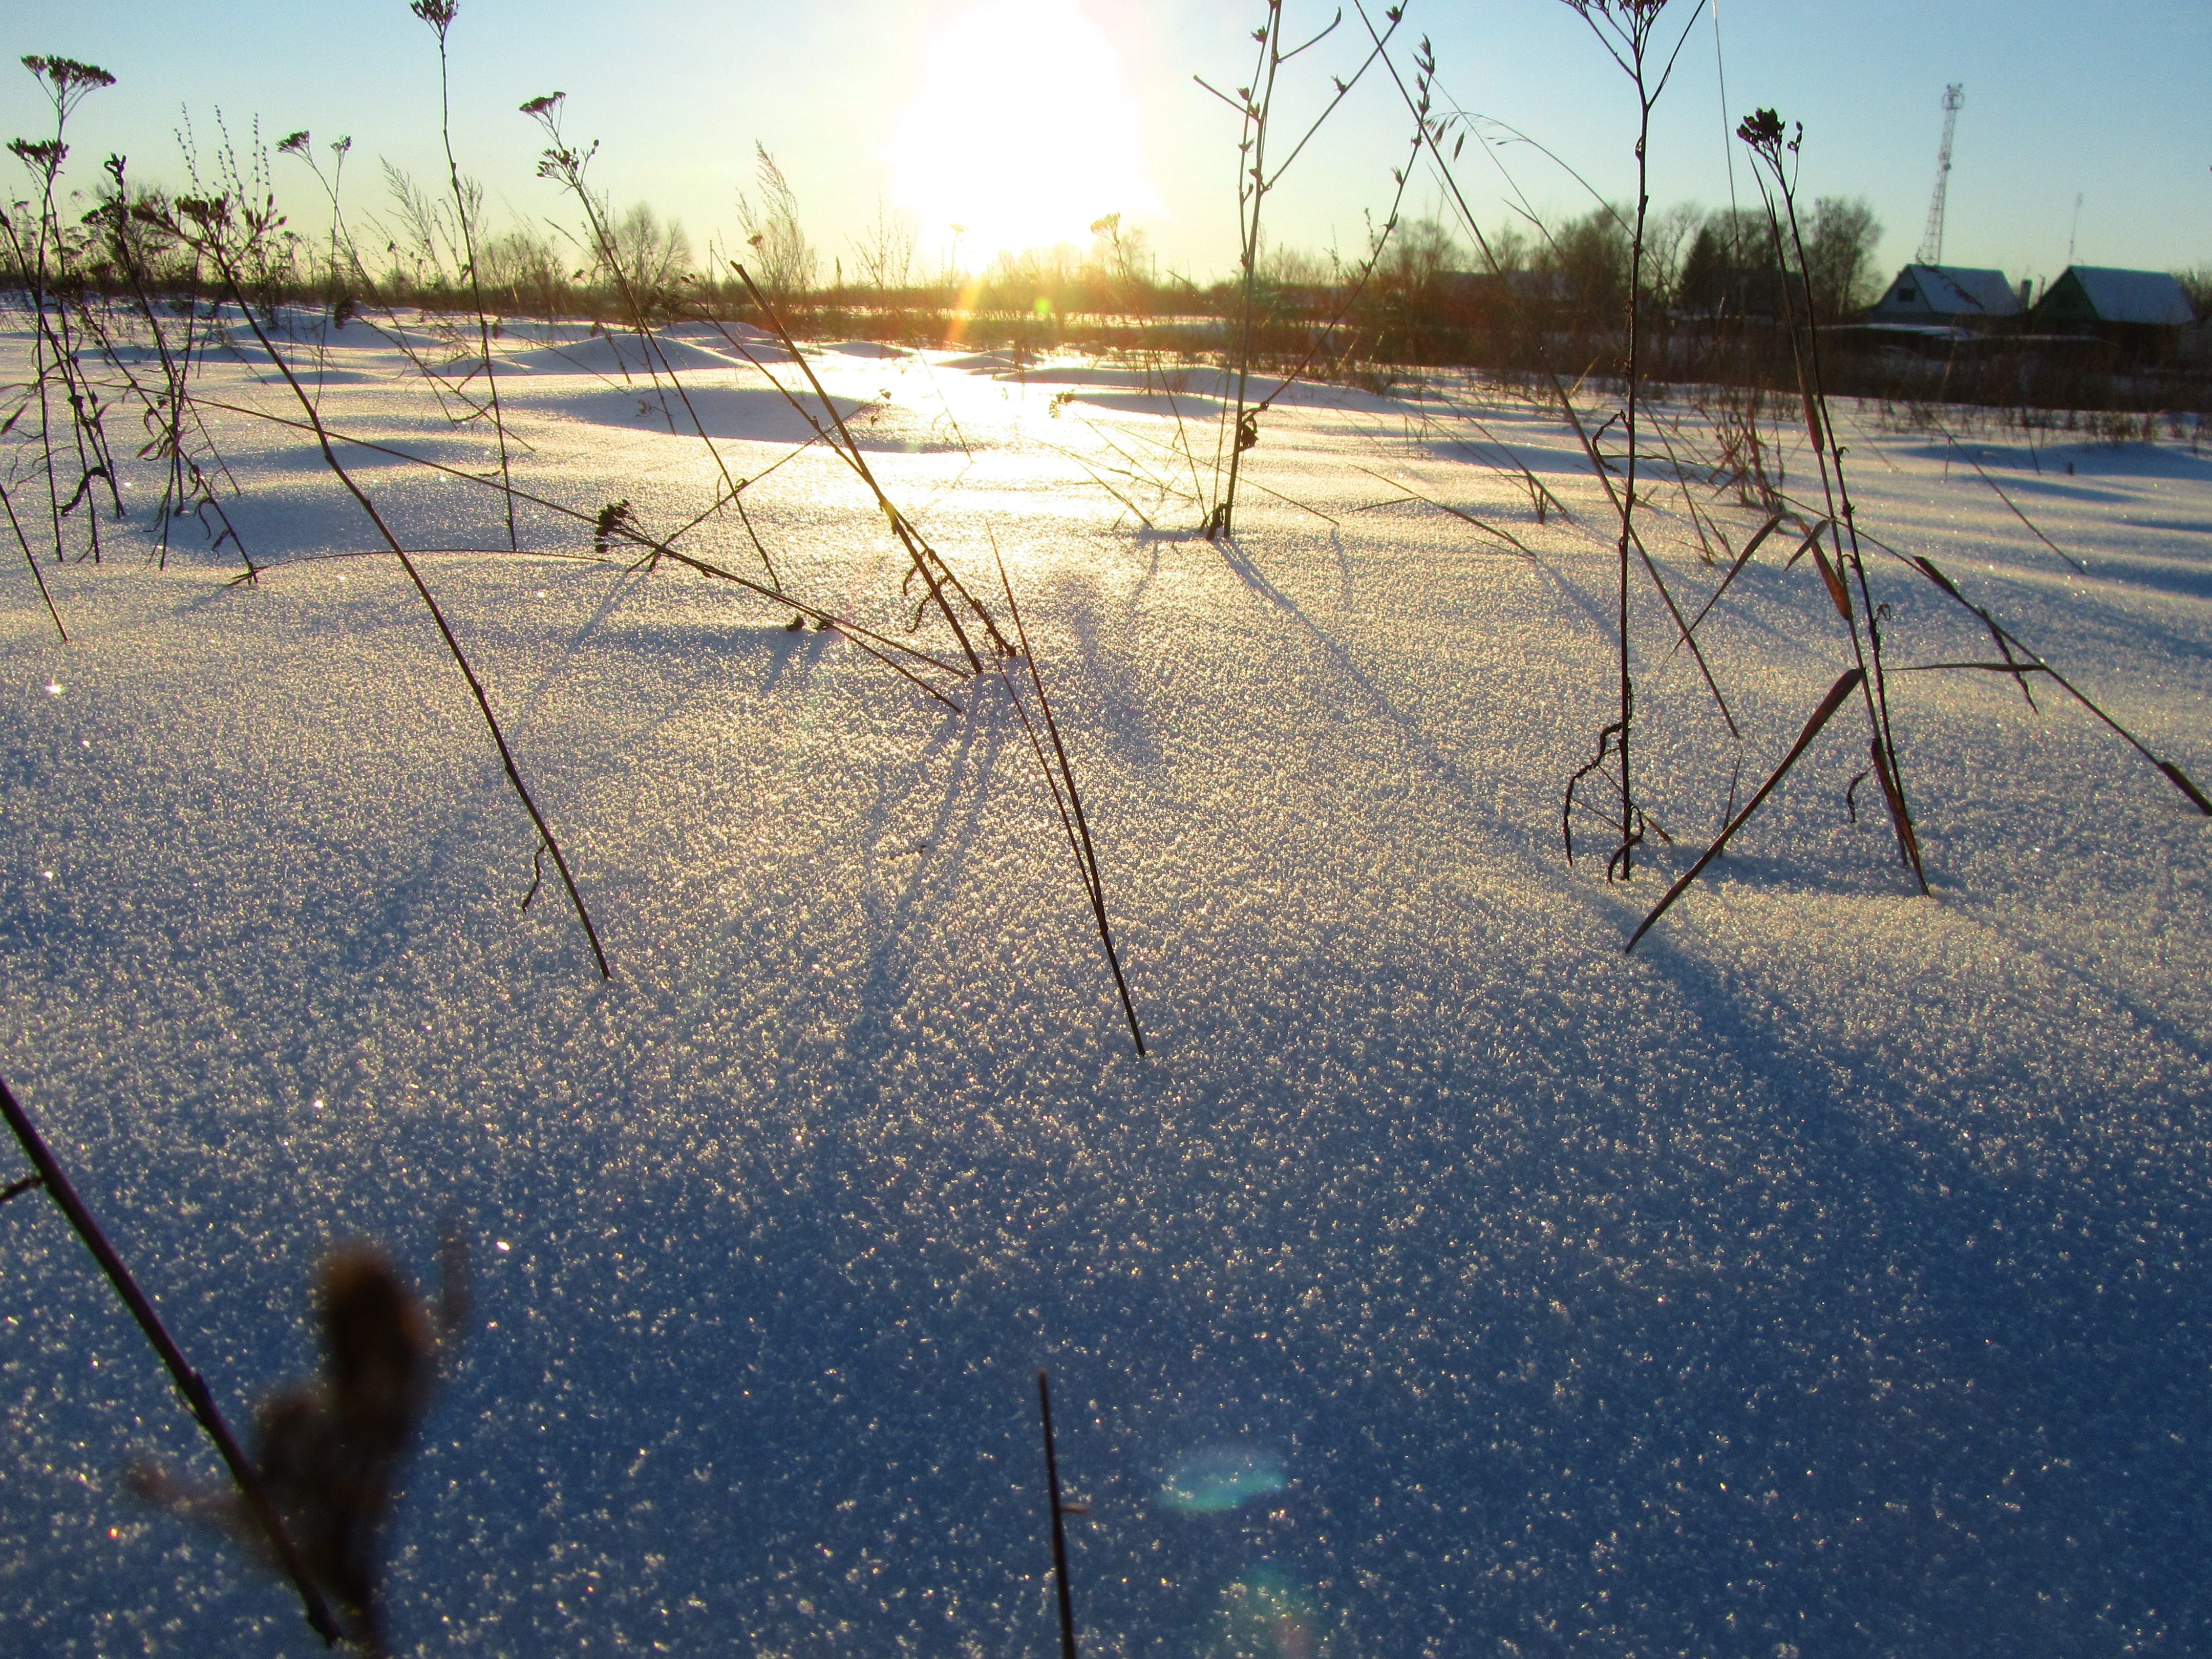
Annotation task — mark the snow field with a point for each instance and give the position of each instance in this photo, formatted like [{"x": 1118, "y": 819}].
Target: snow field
[{"x": 1826, "y": 1273}]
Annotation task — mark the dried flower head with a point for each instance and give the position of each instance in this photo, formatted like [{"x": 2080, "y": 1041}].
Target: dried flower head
[
  {"x": 1761, "y": 129},
  {"x": 67, "y": 80},
  {"x": 329, "y": 1447},
  {"x": 210, "y": 213},
  {"x": 42, "y": 156}
]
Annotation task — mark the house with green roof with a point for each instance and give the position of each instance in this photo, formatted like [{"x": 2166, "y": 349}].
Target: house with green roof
[{"x": 2141, "y": 311}]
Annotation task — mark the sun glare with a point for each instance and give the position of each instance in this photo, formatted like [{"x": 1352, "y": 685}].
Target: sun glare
[{"x": 1020, "y": 132}]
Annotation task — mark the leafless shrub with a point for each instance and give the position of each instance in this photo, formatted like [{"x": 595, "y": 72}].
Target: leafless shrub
[{"x": 785, "y": 261}]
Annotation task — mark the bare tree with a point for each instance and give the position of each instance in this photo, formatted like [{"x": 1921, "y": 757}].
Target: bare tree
[
  {"x": 1839, "y": 251},
  {"x": 1416, "y": 262},
  {"x": 1593, "y": 254},
  {"x": 2197, "y": 283},
  {"x": 1666, "y": 242},
  {"x": 523, "y": 257},
  {"x": 653, "y": 254},
  {"x": 1297, "y": 267},
  {"x": 884, "y": 249},
  {"x": 427, "y": 233}
]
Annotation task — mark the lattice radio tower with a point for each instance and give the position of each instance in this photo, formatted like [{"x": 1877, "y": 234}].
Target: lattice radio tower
[{"x": 1931, "y": 240}]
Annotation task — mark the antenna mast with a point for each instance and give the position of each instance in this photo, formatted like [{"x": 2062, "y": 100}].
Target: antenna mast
[{"x": 1931, "y": 240}]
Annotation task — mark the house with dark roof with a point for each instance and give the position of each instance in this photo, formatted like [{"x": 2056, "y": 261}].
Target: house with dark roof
[
  {"x": 2142, "y": 312},
  {"x": 2090, "y": 295},
  {"x": 1948, "y": 297}
]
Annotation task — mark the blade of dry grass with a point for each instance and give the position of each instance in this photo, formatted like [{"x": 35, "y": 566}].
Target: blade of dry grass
[
  {"x": 437, "y": 614},
  {"x": 1072, "y": 816},
  {"x": 1846, "y": 683},
  {"x": 1750, "y": 547},
  {"x": 867, "y": 639},
  {"x": 31, "y": 558},
  {"x": 2031, "y": 527},
  {"x": 2179, "y": 779},
  {"x": 1630, "y": 537},
  {"x": 928, "y": 563},
  {"x": 1059, "y": 1513},
  {"x": 1413, "y": 495}
]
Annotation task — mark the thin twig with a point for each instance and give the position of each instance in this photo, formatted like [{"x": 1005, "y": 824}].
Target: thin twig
[
  {"x": 852, "y": 630},
  {"x": 2014, "y": 505},
  {"x": 37, "y": 574},
  {"x": 437, "y": 615},
  {"x": 1059, "y": 1513},
  {"x": 928, "y": 563},
  {"x": 1071, "y": 815}
]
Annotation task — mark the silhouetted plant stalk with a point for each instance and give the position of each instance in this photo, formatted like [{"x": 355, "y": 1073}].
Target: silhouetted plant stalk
[
  {"x": 329, "y": 1447},
  {"x": 37, "y": 575},
  {"x": 1628, "y": 31},
  {"x": 937, "y": 577},
  {"x": 1352, "y": 293},
  {"x": 1255, "y": 103},
  {"x": 45, "y": 260},
  {"x": 1834, "y": 541},
  {"x": 198, "y": 1398},
  {"x": 1846, "y": 683},
  {"x": 614, "y": 525},
  {"x": 1061, "y": 1511},
  {"x": 440, "y": 14},
  {"x": 348, "y": 287},
  {"x": 1775, "y": 159},
  {"x": 1060, "y": 776},
  {"x": 2034, "y": 529},
  {"x": 167, "y": 411},
  {"x": 1626, "y": 28},
  {"x": 210, "y": 225},
  {"x": 566, "y": 165},
  {"x": 2027, "y": 662},
  {"x": 1685, "y": 635}
]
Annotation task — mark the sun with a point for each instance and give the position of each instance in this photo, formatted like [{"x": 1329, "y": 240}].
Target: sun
[{"x": 1020, "y": 132}]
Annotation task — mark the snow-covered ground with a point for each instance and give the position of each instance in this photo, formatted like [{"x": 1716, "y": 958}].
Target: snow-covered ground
[{"x": 1826, "y": 1277}]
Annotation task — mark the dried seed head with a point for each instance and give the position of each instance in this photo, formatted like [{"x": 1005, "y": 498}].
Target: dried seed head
[
  {"x": 41, "y": 156},
  {"x": 68, "y": 76},
  {"x": 1761, "y": 129}
]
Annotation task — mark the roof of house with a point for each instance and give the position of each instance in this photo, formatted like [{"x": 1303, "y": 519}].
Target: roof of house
[
  {"x": 1953, "y": 290},
  {"x": 2131, "y": 296}
]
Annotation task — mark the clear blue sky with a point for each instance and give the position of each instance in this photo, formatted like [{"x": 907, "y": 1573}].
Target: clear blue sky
[{"x": 2105, "y": 101}]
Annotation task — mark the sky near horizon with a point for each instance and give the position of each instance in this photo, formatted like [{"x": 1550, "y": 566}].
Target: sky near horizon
[{"x": 1024, "y": 120}]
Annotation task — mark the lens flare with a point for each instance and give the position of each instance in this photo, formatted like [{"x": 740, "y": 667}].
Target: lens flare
[
  {"x": 1264, "y": 1614},
  {"x": 1218, "y": 1479}
]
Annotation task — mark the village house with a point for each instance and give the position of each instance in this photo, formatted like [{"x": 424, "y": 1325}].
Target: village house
[
  {"x": 1948, "y": 297},
  {"x": 2141, "y": 313}
]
